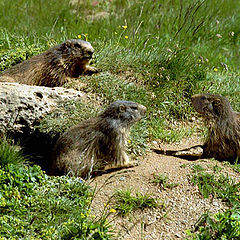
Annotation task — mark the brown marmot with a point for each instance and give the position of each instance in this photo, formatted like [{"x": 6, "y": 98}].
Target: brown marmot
[
  {"x": 223, "y": 140},
  {"x": 97, "y": 143},
  {"x": 54, "y": 66}
]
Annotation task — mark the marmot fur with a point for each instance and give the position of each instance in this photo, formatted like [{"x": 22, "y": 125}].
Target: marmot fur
[
  {"x": 54, "y": 66},
  {"x": 97, "y": 143},
  {"x": 223, "y": 140}
]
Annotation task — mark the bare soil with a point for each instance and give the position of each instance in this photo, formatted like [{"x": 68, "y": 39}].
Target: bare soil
[{"x": 183, "y": 204}]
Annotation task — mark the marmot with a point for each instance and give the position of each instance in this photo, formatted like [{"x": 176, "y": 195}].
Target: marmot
[
  {"x": 223, "y": 140},
  {"x": 97, "y": 143},
  {"x": 52, "y": 67}
]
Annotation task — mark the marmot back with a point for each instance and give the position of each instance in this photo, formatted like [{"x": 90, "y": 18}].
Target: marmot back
[
  {"x": 223, "y": 140},
  {"x": 97, "y": 143},
  {"x": 54, "y": 66}
]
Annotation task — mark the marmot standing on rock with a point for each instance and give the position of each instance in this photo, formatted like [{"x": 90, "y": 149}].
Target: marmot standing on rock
[
  {"x": 54, "y": 66},
  {"x": 223, "y": 140},
  {"x": 97, "y": 143}
]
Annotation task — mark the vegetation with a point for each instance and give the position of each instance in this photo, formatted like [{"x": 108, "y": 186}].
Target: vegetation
[
  {"x": 126, "y": 203},
  {"x": 33, "y": 205},
  {"x": 9, "y": 153},
  {"x": 158, "y": 53},
  {"x": 163, "y": 181},
  {"x": 217, "y": 186},
  {"x": 158, "y": 59},
  {"x": 223, "y": 225}
]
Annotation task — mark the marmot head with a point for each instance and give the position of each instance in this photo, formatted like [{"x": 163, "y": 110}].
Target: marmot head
[
  {"x": 79, "y": 49},
  {"x": 212, "y": 106},
  {"x": 126, "y": 112}
]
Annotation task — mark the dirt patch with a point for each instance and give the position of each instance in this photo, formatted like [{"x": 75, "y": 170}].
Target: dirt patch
[{"x": 183, "y": 205}]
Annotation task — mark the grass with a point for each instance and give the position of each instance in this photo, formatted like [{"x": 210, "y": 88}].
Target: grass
[
  {"x": 9, "y": 154},
  {"x": 220, "y": 186},
  {"x": 163, "y": 181},
  {"x": 166, "y": 57},
  {"x": 126, "y": 203},
  {"x": 223, "y": 225},
  {"x": 157, "y": 54},
  {"x": 65, "y": 115},
  {"x": 33, "y": 205},
  {"x": 168, "y": 131}
]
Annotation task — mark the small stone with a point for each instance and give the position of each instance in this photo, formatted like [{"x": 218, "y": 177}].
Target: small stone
[{"x": 122, "y": 178}]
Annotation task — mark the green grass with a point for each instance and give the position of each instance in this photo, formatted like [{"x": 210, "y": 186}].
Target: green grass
[
  {"x": 164, "y": 130},
  {"x": 9, "y": 153},
  {"x": 157, "y": 54},
  {"x": 223, "y": 225},
  {"x": 196, "y": 168},
  {"x": 163, "y": 181},
  {"x": 169, "y": 54},
  {"x": 46, "y": 208},
  {"x": 33, "y": 205},
  {"x": 221, "y": 186},
  {"x": 65, "y": 115},
  {"x": 125, "y": 202}
]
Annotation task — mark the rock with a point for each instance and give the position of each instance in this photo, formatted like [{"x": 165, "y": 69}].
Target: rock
[
  {"x": 21, "y": 109},
  {"x": 22, "y": 106}
]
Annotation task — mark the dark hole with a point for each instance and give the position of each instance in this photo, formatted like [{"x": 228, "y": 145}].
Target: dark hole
[{"x": 39, "y": 95}]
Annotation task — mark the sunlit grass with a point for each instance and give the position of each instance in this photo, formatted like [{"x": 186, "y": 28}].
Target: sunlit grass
[{"x": 157, "y": 54}]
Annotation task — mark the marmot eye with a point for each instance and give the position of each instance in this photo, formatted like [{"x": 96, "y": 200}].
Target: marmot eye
[
  {"x": 203, "y": 98},
  {"x": 89, "y": 52},
  {"x": 134, "y": 107}
]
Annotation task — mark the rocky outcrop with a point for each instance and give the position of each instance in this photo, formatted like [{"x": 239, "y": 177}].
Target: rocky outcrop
[
  {"x": 21, "y": 109},
  {"x": 22, "y": 106}
]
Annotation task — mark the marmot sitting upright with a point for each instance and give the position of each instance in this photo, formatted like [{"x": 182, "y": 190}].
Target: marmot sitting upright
[
  {"x": 52, "y": 67},
  {"x": 223, "y": 140},
  {"x": 97, "y": 143}
]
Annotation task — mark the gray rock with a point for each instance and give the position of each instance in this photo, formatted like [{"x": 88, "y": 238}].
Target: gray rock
[{"x": 22, "y": 106}]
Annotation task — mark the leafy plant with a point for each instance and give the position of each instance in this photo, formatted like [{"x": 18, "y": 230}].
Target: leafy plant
[
  {"x": 126, "y": 203},
  {"x": 9, "y": 153},
  {"x": 222, "y": 186},
  {"x": 224, "y": 225},
  {"x": 162, "y": 181}
]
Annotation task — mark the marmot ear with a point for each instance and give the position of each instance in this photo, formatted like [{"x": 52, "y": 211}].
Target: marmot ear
[{"x": 122, "y": 108}]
